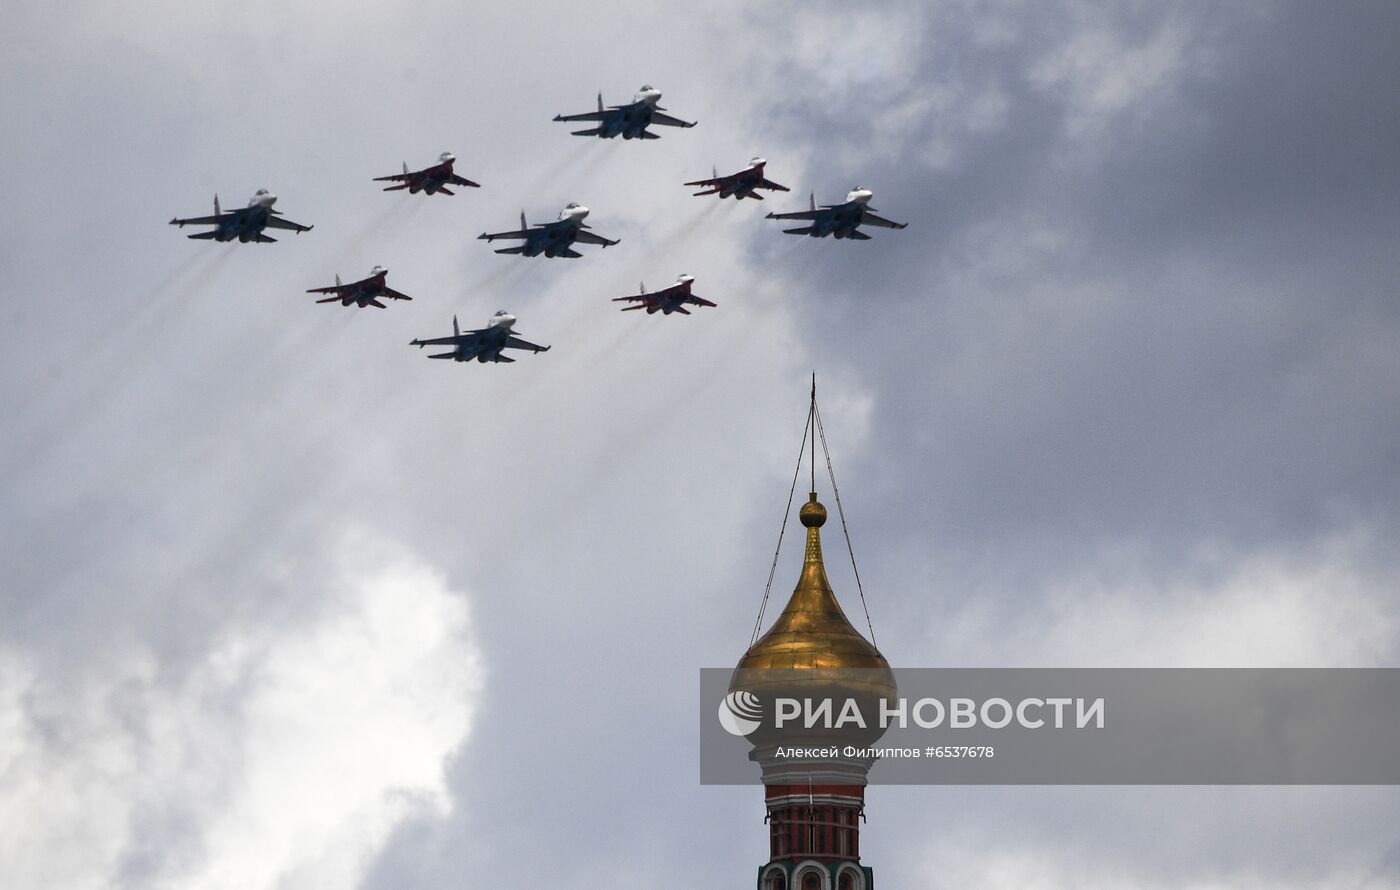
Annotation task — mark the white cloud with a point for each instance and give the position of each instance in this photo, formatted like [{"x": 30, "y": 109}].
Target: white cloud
[
  {"x": 287, "y": 755},
  {"x": 1320, "y": 608}
]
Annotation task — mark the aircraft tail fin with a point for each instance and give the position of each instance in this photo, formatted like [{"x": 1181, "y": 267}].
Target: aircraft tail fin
[
  {"x": 337, "y": 279},
  {"x": 714, "y": 172},
  {"x": 523, "y": 226},
  {"x": 456, "y": 331},
  {"x": 647, "y": 134},
  {"x": 857, "y": 235},
  {"x": 260, "y": 237},
  {"x": 682, "y": 310},
  {"x": 405, "y": 168},
  {"x": 570, "y": 253},
  {"x": 498, "y": 357},
  {"x": 600, "y": 100},
  {"x": 216, "y": 203},
  {"x": 814, "y": 200},
  {"x": 641, "y": 288}
]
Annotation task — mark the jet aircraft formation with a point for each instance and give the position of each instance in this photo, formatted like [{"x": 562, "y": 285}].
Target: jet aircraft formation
[{"x": 556, "y": 238}]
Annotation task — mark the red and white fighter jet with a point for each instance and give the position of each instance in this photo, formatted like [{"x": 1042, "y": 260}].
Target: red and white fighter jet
[
  {"x": 365, "y": 292},
  {"x": 666, "y": 300},
  {"x": 741, "y": 185},
  {"x": 429, "y": 180}
]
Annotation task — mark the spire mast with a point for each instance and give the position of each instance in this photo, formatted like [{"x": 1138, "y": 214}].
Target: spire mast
[{"x": 812, "y": 430}]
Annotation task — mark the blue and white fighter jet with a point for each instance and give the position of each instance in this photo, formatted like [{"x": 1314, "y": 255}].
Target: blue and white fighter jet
[
  {"x": 552, "y": 239},
  {"x": 629, "y": 121},
  {"x": 244, "y": 224},
  {"x": 839, "y": 220},
  {"x": 484, "y": 344}
]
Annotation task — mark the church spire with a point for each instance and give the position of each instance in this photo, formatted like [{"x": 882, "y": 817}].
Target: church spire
[{"x": 814, "y": 808}]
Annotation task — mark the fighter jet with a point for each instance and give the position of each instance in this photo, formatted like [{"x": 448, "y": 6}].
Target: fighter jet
[
  {"x": 553, "y": 238},
  {"x": 741, "y": 185},
  {"x": 841, "y": 220},
  {"x": 485, "y": 344},
  {"x": 365, "y": 292},
  {"x": 667, "y": 300},
  {"x": 246, "y": 224},
  {"x": 429, "y": 180},
  {"x": 629, "y": 121}
]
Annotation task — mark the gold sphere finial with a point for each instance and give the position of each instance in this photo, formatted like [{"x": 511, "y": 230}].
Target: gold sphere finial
[{"x": 812, "y": 514}]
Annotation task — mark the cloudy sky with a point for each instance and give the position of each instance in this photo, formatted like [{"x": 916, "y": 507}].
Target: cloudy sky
[{"x": 287, "y": 605}]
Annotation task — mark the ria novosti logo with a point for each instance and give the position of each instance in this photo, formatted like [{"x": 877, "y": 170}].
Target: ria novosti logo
[{"x": 740, "y": 713}]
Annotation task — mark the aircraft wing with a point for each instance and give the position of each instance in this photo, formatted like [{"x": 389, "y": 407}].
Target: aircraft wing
[
  {"x": 639, "y": 298},
  {"x": 517, "y": 343},
  {"x": 458, "y": 180},
  {"x": 515, "y": 233},
  {"x": 590, "y": 238},
  {"x": 465, "y": 338},
  {"x": 666, "y": 120},
  {"x": 800, "y": 214},
  {"x": 718, "y": 180},
  {"x": 277, "y": 222},
  {"x": 586, "y": 116},
  {"x": 697, "y": 301},
  {"x": 770, "y": 184},
  {"x": 325, "y": 290},
  {"x": 395, "y": 295},
  {"x": 869, "y": 218},
  {"x": 201, "y": 220},
  {"x": 398, "y": 177}
]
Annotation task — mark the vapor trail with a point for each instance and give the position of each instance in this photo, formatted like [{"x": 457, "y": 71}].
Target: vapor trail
[
  {"x": 507, "y": 268},
  {"x": 575, "y": 158},
  {"x": 685, "y": 230},
  {"x": 99, "y": 379},
  {"x": 397, "y": 213}
]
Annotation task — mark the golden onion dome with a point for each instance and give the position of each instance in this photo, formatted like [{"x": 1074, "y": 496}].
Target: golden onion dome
[
  {"x": 812, "y": 632},
  {"x": 813, "y": 649}
]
